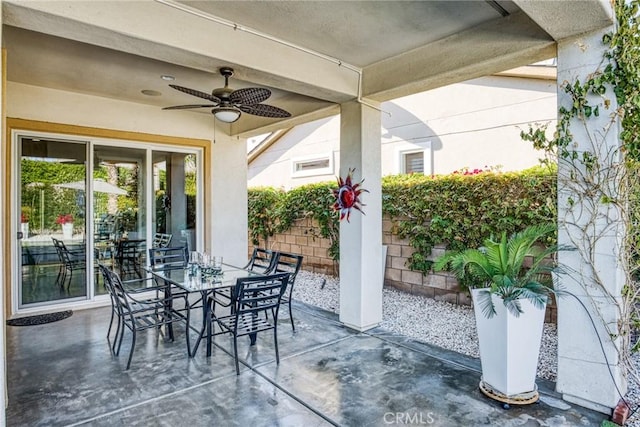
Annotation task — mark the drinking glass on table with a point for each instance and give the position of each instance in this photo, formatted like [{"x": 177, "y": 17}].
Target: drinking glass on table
[
  {"x": 216, "y": 263},
  {"x": 195, "y": 260}
]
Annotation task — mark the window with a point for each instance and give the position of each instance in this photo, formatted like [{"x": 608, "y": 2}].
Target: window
[
  {"x": 312, "y": 165},
  {"x": 413, "y": 157},
  {"x": 414, "y": 162}
]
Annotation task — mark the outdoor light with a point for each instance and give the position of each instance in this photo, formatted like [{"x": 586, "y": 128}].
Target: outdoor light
[{"x": 226, "y": 114}]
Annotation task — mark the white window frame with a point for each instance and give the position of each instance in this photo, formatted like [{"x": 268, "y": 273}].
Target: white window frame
[
  {"x": 312, "y": 172},
  {"x": 404, "y": 148}
]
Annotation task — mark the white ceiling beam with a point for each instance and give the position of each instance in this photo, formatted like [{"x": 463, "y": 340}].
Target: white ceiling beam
[
  {"x": 495, "y": 46},
  {"x": 249, "y": 128},
  {"x": 564, "y": 19},
  {"x": 178, "y": 37}
]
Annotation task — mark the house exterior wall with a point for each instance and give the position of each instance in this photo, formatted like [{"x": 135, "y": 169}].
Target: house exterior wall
[
  {"x": 226, "y": 203},
  {"x": 472, "y": 124}
]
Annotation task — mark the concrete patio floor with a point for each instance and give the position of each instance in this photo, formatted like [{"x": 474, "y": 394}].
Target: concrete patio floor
[{"x": 63, "y": 373}]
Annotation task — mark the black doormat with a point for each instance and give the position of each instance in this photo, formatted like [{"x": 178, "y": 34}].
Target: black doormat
[{"x": 39, "y": 319}]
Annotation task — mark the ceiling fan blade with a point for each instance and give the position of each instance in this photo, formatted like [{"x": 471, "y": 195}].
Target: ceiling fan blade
[
  {"x": 265, "y": 110},
  {"x": 250, "y": 95},
  {"x": 184, "y": 107},
  {"x": 197, "y": 93}
]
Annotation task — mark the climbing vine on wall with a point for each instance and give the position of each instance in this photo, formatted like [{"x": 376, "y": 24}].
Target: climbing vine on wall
[{"x": 598, "y": 181}]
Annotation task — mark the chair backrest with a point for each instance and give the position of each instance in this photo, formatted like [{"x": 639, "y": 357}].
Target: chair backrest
[
  {"x": 168, "y": 258},
  {"x": 161, "y": 240},
  {"x": 116, "y": 289},
  {"x": 109, "y": 276},
  {"x": 58, "y": 244},
  {"x": 288, "y": 263},
  {"x": 258, "y": 294},
  {"x": 262, "y": 261},
  {"x": 128, "y": 249},
  {"x": 64, "y": 254}
]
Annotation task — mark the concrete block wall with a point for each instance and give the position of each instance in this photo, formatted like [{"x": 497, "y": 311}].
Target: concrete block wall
[
  {"x": 441, "y": 286},
  {"x": 303, "y": 238}
]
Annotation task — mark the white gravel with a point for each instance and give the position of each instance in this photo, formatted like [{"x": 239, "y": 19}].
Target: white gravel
[{"x": 435, "y": 322}]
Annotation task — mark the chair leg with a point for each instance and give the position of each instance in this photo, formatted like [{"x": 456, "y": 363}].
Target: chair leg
[
  {"x": 59, "y": 276},
  {"x": 235, "y": 352},
  {"x": 110, "y": 322},
  {"x": 117, "y": 337},
  {"x": 189, "y": 352},
  {"x": 63, "y": 278},
  {"x": 209, "y": 331},
  {"x": 120, "y": 340},
  {"x": 133, "y": 345},
  {"x": 275, "y": 343},
  {"x": 291, "y": 316}
]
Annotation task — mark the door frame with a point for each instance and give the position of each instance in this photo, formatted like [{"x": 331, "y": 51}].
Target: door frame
[{"x": 17, "y": 127}]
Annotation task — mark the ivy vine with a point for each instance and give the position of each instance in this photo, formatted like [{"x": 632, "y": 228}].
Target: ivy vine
[{"x": 599, "y": 179}]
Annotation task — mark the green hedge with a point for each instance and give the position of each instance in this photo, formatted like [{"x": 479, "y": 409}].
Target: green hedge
[
  {"x": 461, "y": 211},
  {"x": 456, "y": 210}
]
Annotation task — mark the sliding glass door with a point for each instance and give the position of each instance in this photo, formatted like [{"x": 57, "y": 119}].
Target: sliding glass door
[
  {"x": 139, "y": 196},
  {"x": 119, "y": 211},
  {"x": 52, "y": 215},
  {"x": 175, "y": 197}
]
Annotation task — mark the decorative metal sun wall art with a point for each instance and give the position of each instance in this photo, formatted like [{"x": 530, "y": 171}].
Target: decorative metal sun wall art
[{"x": 348, "y": 196}]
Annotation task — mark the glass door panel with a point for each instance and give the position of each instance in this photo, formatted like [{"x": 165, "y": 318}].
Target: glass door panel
[
  {"x": 175, "y": 195},
  {"x": 52, "y": 220},
  {"x": 119, "y": 203},
  {"x": 57, "y": 262}
]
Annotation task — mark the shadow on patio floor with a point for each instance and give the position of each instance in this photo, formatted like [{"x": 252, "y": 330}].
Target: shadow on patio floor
[{"x": 63, "y": 374}]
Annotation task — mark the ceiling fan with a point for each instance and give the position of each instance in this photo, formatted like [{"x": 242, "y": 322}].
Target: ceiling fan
[{"x": 228, "y": 104}]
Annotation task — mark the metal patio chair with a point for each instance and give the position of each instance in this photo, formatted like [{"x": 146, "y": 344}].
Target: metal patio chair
[
  {"x": 137, "y": 313},
  {"x": 288, "y": 263},
  {"x": 254, "y": 298},
  {"x": 70, "y": 261}
]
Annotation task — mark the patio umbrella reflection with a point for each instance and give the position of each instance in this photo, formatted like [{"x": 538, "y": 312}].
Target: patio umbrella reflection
[{"x": 99, "y": 186}]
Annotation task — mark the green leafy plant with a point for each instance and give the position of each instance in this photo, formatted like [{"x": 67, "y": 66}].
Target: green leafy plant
[
  {"x": 457, "y": 210},
  {"x": 264, "y": 207},
  {"x": 597, "y": 176},
  {"x": 499, "y": 266},
  {"x": 314, "y": 201}
]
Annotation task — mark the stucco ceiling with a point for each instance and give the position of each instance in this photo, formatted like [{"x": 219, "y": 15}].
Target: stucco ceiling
[{"x": 313, "y": 55}]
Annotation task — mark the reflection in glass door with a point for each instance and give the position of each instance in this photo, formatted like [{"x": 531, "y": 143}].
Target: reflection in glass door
[
  {"x": 72, "y": 218},
  {"x": 119, "y": 211},
  {"x": 175, "y": 193},
  {"x": 52, "y": 220}
]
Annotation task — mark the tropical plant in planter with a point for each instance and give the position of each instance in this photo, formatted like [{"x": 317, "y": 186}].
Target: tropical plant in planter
[{"x": 510, "y": 281}]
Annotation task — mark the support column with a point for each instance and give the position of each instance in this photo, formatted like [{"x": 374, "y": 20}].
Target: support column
[
  {"x": 361, "y": 275},
  {"x": 228, "y": 198},
  {"x": 587, "y": 375}
]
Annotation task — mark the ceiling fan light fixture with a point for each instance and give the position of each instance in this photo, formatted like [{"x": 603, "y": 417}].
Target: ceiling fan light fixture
[
  {"x": 229, "y": 104},
  {"x": 226, "y": 114}
]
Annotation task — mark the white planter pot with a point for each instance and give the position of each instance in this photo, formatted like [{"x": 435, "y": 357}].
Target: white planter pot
[
  {"x": 67, "y": 231},
  {"x": 24, "y": 229},
  {"x": 509, "y": 346}
]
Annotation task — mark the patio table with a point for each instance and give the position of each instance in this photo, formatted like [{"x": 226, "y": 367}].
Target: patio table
[{"x": 197, "y": 284}]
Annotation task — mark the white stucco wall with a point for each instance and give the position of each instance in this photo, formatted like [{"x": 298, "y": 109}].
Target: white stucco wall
[{"x": 472, "y": 124}]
